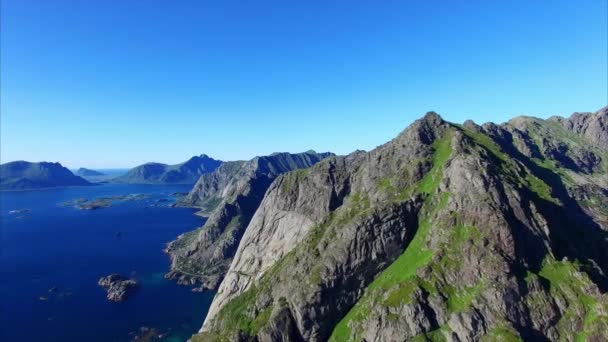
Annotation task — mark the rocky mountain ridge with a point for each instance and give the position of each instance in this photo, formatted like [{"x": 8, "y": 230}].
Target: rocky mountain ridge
[
  {"x": 447, "y": 232},
  {"x": 229, "y": 196},
  {"x": 187, "y": 172}
]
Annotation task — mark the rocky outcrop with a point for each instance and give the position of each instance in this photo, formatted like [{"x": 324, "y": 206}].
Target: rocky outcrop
[
  {"x": 231, "y": 195},
  {"x": 83, "y": 172},
  {"x": 157, "y": 173},
  {"x": 118, "y": 287},
  {"x": 460, "y": 233},
  {"x": 22, "y": 175},
  {"x": 593, "y": 127}
]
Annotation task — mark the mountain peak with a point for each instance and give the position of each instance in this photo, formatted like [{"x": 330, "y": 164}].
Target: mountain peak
[{"x": 433, "y": 118}]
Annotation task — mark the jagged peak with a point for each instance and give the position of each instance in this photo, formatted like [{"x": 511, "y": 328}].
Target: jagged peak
[
  {"x": 433, "y": 118},
  {"x": 424, "y": 129},
  {"x": 470, "y": 124},
  {"x": 201, "y": 156}
]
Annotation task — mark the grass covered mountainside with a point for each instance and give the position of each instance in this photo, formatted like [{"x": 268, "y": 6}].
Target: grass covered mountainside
[
  {"x": 156, "y": 173},
  {"x": 22, "y": 175},
  {"x": 446, "y": 233}
]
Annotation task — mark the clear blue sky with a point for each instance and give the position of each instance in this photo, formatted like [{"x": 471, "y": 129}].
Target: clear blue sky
[{"x": 116, "y": 83}]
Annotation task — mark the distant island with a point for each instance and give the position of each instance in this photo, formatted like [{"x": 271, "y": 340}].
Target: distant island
[
  {"x": 157, "y": 173},
  {"x": 23, "y": 175},
  {"x": 83, "y": 172}
]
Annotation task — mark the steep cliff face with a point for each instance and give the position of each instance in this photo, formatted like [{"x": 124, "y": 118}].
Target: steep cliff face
[
  {"x": 22, "y": 175},
  {"x": 187, "y": 172},
  {"x": 447, "y": 232},
  {"x": 230, "y": 195}
]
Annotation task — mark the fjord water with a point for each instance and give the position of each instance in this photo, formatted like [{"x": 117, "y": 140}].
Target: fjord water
[{"x": 70, "y": 249}]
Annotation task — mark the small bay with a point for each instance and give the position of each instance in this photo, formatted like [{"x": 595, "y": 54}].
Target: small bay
[{"x": 52, "y": 254}]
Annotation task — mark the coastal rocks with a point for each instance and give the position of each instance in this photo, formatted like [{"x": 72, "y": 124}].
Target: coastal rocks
[
  {"x": 102, "y": 202},
  {"x": 118, "y": 287},
  {"x": 55, "y": 294},
  {"x": 148, "y": 334}
]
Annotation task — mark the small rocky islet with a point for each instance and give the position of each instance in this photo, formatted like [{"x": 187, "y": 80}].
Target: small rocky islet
[
  {"x": 102, "y": 202},
  {"x": 118, "y": 287}
]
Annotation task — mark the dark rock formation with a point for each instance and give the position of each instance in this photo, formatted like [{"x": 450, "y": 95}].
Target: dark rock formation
[
  {"x": 88, "y": 173},
  {"x": 118, "y": 287},
  {"x": 157, "y": 173},
  {"x": 231, "y": 194},
  {"x": 447, "y": 232},
  {"x": 22, "y": 175}
]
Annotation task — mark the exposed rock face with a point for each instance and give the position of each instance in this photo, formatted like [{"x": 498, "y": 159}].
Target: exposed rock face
[
  {"x": 157, "y": 173},
  {"x": 231, "y": 195},
  {"x": 592, "y": 126},
  {"x": 212, "y": 187},
  {"x": 118, "y": 287},
  {"x": 447, "y": 232},
  {"x": 22, "y": 175}
]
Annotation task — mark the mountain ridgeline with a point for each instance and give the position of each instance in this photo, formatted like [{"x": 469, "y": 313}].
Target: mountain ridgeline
[
  {"x": 23, "y": 175},
  {"x": 229, "y": 196},
  {"x": 447, "y": 232},
  {"x": 156, "y": 173}
]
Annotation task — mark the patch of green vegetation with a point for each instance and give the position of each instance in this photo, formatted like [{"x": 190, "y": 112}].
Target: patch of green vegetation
[
  {"x": 442, "y": 151},
  {"x": 567, "y": 281},
  {"x": 464, "y": 233},
  {"x": 233, "y": 223},
  {"x": 401, "y": 272},
  {"x": 550, "y": 165},
  {"x": 292, "y": 178},
  {"x": 401, "y": 294},
  {"x": 501, "y": 334},
  {"x": 210, "y": 204},
  {"x": 415, "y": 255},
  {"x": 208, "y": 337},
  {"x": 235, "y": 315},
  {"x": 487, "y": 143},
  {"x": 540, "y": 188},
  {"x": 556, "y": 130},
  {"x": 437, "y": 335},
  {"x": 460, "y": 300},
  {"x": 385, "y": 184},
  {"x": 260, "y": 321},
  {"x": 241, "y": 313}
]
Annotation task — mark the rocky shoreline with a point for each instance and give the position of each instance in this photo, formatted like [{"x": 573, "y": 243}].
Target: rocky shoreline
[{"x": 118, "y": 287}]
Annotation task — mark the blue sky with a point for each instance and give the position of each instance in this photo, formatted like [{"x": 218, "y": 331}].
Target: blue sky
[{"x": 116, "y": 83}]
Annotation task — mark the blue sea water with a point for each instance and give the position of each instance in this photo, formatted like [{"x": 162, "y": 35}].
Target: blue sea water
[{"x": 64, "y": 247}]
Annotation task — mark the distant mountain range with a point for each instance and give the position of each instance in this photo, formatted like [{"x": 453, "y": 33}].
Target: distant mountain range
[
  {"x": 23, "y": 175},
  {"x": 157, "y": 173},
  {"x": 88, "y": 173}
]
